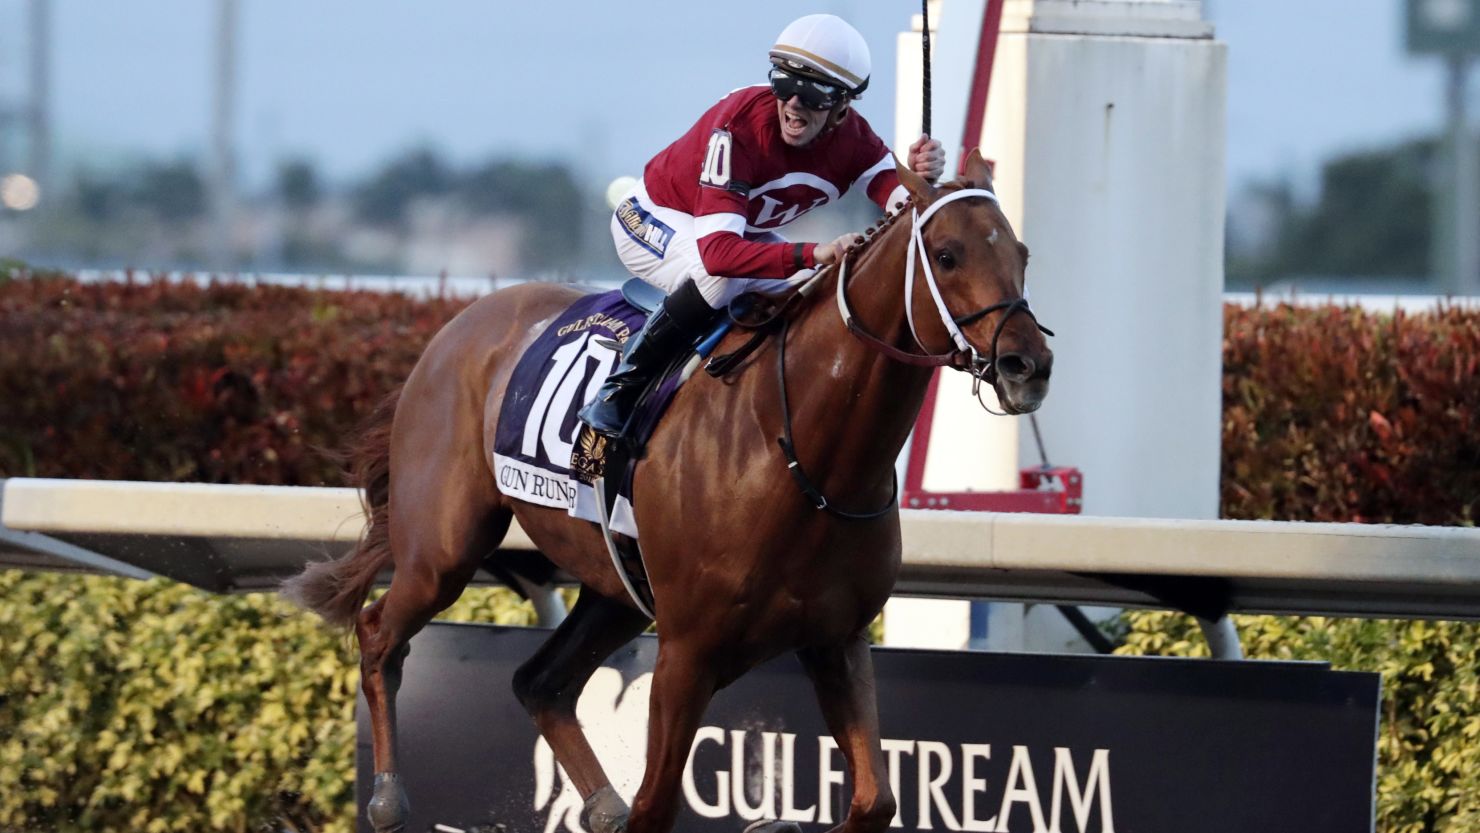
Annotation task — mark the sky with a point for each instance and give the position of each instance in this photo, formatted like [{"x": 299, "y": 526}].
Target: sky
[
  {"x": 1311, "y": 78},
  {"x": 604, "y": 85}
]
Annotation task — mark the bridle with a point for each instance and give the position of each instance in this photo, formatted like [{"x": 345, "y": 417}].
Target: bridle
[{"x": 965, "y": 357}]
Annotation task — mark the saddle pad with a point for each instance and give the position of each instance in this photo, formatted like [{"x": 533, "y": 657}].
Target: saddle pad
[
  {"x": 556, "y": 376},
  {"x": 537, "y": 424}
]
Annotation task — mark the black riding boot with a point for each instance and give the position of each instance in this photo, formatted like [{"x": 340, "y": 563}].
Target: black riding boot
[{"x": 683, "y": 319}]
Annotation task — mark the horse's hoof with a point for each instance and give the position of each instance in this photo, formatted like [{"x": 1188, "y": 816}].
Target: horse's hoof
[
  {"x": 605, "y": 812},
  {"x": 773, "y": 826},
  {"x": 388, "y": 807}
]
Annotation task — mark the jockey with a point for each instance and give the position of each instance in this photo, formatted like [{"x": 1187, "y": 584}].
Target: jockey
[{"x": 701, "y": 223}]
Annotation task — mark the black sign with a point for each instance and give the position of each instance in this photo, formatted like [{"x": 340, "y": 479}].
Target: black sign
[{"x": 1019, "y": 743}]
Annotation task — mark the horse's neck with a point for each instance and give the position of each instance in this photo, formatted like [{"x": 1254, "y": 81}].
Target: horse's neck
[{"x": 854, "y": 407}]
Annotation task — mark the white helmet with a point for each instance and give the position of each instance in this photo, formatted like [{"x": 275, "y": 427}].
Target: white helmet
[{"x": 826, "y": 46}]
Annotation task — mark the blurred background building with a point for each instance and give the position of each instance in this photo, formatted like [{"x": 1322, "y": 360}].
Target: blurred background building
[{"x": 481, "y": 139}]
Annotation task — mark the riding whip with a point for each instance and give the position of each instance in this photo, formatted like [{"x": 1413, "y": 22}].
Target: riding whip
[{"x": 925, "y": 65}]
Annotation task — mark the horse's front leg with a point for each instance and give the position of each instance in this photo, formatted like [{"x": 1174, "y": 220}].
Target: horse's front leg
[
  {"x": 843, "y": 676},
  {"x": 550, "y": 685},
  {"x": 683, "y": 684}
]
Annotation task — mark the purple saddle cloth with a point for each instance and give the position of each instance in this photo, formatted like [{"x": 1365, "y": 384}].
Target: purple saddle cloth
[{"x": 538, "y": 434}]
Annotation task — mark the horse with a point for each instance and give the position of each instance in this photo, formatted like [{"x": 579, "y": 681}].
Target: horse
[{"x": 743, "y": 565}]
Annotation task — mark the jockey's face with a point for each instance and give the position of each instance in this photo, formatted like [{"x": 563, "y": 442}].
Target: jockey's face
[{"x": 799, "y": 126}]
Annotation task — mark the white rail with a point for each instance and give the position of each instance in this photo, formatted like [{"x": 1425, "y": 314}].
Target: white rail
[{"x": 244, "y": 538}]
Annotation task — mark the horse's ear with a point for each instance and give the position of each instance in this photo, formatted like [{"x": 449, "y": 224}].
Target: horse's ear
[
  {"x": 922, "y": 191},
  {"x": 977, "y": 170}
]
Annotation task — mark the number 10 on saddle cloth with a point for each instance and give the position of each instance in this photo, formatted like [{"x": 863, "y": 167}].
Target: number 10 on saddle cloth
[{"x": 542, "y": 453}]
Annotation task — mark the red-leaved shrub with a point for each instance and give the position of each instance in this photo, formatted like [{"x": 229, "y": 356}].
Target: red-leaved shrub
[
  {"x": 1336, "y": 414},
  {"x": 1329, "y": 413},
  {"x": 225, "y": 383}
]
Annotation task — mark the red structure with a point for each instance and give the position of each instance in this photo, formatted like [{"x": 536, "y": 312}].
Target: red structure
[{"x": 1044, "y": 489}]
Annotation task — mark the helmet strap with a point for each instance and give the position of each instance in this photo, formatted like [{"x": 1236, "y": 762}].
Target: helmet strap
[{"x": 839, "y": 112}]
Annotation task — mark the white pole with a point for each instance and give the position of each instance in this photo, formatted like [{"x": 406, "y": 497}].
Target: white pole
[
  {"x": 223, "y": 162},
  {"x": 1106, "y": 123},
  {"x": 40, "y": 110},
  {"x": 1462, "y": 277}
]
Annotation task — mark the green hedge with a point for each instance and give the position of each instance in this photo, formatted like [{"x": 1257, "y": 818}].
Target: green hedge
[
  {"x": 156, "y": 707},
  {"x": 128, "y": 705},
  {"x": 152, "y": 706}
]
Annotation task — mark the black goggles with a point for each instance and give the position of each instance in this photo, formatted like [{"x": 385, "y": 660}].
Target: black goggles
[{"x": 814, "y": 95}]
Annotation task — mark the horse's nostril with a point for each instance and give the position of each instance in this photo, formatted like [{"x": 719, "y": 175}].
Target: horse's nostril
[{"x": 1015, "y": 367}]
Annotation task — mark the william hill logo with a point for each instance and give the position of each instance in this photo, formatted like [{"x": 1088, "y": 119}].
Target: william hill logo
[{"x": 752, "y": 773}]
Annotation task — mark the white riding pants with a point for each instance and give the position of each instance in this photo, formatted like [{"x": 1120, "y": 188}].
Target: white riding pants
[{"x": 666, "y": 253}]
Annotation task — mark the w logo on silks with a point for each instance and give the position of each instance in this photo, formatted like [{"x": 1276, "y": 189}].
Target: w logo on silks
[
  {"x": 781, "y": 201},
  {"x": 770, "y": 218}
]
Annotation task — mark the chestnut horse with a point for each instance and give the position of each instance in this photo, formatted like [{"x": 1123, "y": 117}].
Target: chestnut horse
[{"x": 743, "y": 567}]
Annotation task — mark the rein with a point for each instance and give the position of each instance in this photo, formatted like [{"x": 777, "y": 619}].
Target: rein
[
  {"x": 965, "y": 357},
  {"x": 793, "y": 465}
]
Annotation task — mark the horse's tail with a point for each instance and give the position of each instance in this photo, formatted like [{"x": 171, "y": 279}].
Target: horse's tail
[{"x": 336, "y": 590}]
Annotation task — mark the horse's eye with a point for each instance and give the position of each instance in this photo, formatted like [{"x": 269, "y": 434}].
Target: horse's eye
[{"x": 945, "y": 259}]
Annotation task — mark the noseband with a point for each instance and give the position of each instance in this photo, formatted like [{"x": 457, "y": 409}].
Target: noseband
[{"x": 965, "y": 357}]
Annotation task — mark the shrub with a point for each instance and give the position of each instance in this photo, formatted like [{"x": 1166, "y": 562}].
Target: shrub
[
  {"x": 1335, "y": 414},
  {"x": 225, "y": 383},
  {"x": 1428, "y": 745},
  {"x": 153, "y": 706},
  {"x": 132, "y": 705}
]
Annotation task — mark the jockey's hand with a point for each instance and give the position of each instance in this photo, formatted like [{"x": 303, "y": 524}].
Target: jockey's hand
[
  {"x": 830, "y": 252},
  {"x": 927, "y": 158}
]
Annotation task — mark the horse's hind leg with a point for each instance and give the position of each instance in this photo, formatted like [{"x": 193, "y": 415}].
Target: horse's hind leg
[
  {"x": 843, "y": 677},
  {"x": 436, "y": 554},
  {"x": 550, "y": 684}
]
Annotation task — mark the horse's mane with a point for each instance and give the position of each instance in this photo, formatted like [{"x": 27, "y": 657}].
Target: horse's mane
[
  {"x": 883, "y": 224},
  {"x": 887, "y": 222},
  {"x": 870, "y": 236},
  {"x": 792, "y": 304}
]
